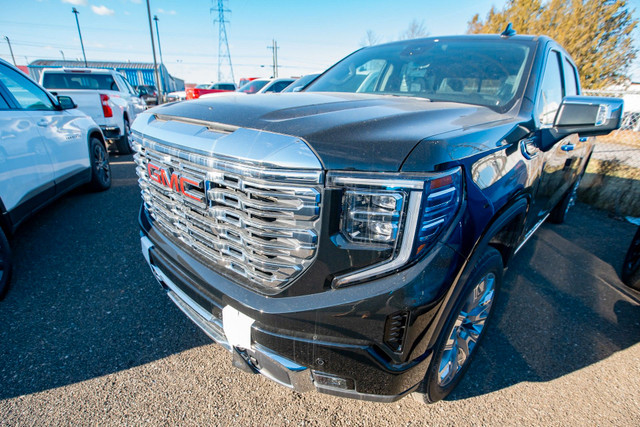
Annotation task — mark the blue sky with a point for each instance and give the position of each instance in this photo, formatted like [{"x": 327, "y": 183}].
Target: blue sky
[{"x": 311, "y": 35}]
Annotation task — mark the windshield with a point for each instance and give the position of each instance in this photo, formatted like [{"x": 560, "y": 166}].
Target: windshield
[
  {"x": 482, "y": 72},
  {"x": 79, "y": 81}
]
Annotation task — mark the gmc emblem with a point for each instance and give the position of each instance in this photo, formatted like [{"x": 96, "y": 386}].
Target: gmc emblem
[{"x": 169, "y": 179}]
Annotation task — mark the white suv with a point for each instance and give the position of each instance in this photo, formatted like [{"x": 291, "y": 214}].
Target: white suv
[
  {"x": 46, "y": 148},
  {"x": 105, "y": 95}
]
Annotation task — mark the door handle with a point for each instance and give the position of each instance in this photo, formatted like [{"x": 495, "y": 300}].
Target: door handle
[
  {"x": 567, "y": 147},
  {"x": 43, "y": 122}
]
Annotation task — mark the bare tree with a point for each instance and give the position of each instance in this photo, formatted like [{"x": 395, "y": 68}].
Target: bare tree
[
  {"x": 415, "y": 30},
  {"x": 370, "y": 39}
]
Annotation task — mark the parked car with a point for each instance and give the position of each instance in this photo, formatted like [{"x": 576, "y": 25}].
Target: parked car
[
  {"x": 301, "y": 83},
  {"x": 631, "y": 265},
  {"x": 149, "y": 93},
  {"x": 277, "y": 85},
  {"x": 47, "y": 147},
  {"x": 197, "y": 92},
  {"x": 253, "y": 86},
  {"x": 179, "y": 95},
  {"x": 105, "y": 95},
  {"x": 352, "y": 238},
  {"x": 260, "y": 86}
]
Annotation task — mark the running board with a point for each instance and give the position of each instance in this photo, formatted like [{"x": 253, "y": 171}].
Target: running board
[{"x": 530, "y": 233}]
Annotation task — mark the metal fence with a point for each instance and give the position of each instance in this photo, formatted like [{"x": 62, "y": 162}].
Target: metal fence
[{"x": 612, "y": 179}]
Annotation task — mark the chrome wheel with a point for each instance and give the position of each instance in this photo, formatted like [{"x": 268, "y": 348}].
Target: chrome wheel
[{"x": 466, "y": 329}]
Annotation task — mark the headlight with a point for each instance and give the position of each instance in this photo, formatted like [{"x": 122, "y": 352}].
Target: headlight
[
  {"x": 372, "y": 217},
  {"x": 398, "y": 215}
]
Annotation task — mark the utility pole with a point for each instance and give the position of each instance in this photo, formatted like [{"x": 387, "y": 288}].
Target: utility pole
[
  {"x": 223, "y": 42},
  {"x": 11, "y": 50},
  {"x": 155, "y": 63},
  {"x": 274, "y": 47},
  {"x": 75, "y": 12}
]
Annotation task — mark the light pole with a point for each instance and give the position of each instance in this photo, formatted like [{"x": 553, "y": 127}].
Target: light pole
[
  {"x": 11, "y": 50},
  {"x": 75, "y": 12},
  {"x": 62, "y": 53},
  {"x": 155, "y": 18},
  {"x": 153, "y": 49}
]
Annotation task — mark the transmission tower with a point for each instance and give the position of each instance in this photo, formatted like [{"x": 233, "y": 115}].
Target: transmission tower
[{"x": 224, "y": 56}]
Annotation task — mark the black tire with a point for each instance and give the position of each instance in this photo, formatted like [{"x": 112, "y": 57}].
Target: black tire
[
  {"x": 6, "y": 264},
  {"x": 560, "y": 213},
  {"x": 100, "y": 167},
  {"x": 124, "y": 144},
  {"x": 478, "y": 296},
  {"x": 631, "y": 266}
]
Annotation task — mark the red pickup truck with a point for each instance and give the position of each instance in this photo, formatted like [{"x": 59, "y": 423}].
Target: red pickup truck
[{"x": 196, "y": 92}]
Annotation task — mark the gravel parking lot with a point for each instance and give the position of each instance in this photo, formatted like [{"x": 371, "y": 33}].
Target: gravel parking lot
[{"x": 88, "y": 337}]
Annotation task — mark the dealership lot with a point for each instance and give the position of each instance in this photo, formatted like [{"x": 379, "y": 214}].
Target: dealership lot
[{"x": 87, "y": 336}]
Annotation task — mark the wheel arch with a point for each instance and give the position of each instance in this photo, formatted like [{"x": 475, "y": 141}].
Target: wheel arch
[
  {"x": 96, "y": 133},
  {"x": 503, "y": 234}
]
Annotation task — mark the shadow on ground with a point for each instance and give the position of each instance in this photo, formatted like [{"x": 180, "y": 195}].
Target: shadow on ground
[
  {"x": 83, "y": 302},
  {"x": 562, "y": 306}
]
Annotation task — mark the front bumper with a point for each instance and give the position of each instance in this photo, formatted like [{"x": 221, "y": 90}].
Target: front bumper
[{"x": 288, "y": 337}]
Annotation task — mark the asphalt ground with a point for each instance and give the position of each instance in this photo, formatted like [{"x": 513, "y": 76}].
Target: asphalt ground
[{"x": 87, "y": 337}]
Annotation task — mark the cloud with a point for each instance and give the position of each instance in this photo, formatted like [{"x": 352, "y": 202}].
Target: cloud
[
  {"x": 76, "y": 2},
  {"x": 102, "y": 10},
  {"x": 167, "y": 12}
]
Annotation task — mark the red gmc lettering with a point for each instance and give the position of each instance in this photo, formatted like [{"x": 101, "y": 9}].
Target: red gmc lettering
[
  {"x": 186, "y": 193},
  {"x": 175, "y": 182}
]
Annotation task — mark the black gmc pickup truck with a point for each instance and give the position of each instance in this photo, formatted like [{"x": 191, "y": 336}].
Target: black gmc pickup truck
[{"x": 351, "y": 238}]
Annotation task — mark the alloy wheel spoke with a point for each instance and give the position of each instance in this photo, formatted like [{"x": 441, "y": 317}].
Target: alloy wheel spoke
[{"x": 466, "y": 329}]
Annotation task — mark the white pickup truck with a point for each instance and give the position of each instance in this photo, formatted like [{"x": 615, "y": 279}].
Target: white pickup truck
[{"x": 105, "y": 95}]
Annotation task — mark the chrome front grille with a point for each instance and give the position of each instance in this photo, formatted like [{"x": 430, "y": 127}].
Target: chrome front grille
[{"x": 261, "y": 223}]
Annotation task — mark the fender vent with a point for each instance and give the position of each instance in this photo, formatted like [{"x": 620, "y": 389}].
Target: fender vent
[{"x": 394, "y": 330}]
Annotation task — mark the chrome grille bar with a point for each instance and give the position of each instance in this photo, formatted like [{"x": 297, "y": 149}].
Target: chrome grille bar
[{"x": 260, "y": 223}]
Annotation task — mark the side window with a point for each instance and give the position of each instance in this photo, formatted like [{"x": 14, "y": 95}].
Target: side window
[
  {"x": 129, "y": 88},
  {"x": 121, "y": 86},
  {"x": 570, "y": 80},
  {"x": 28, "y": 95},
  {"x": 551, "y": 91}
]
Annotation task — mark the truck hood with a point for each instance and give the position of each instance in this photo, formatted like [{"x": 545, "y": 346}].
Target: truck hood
[{"x": 346, "y": 131}]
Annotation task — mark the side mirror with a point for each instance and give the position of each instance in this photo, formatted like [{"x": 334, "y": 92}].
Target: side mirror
[
  {"x": 584, "y": 115},
  {"x": 66, "y": 103},
  {"x": 589, "y": 115}
]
